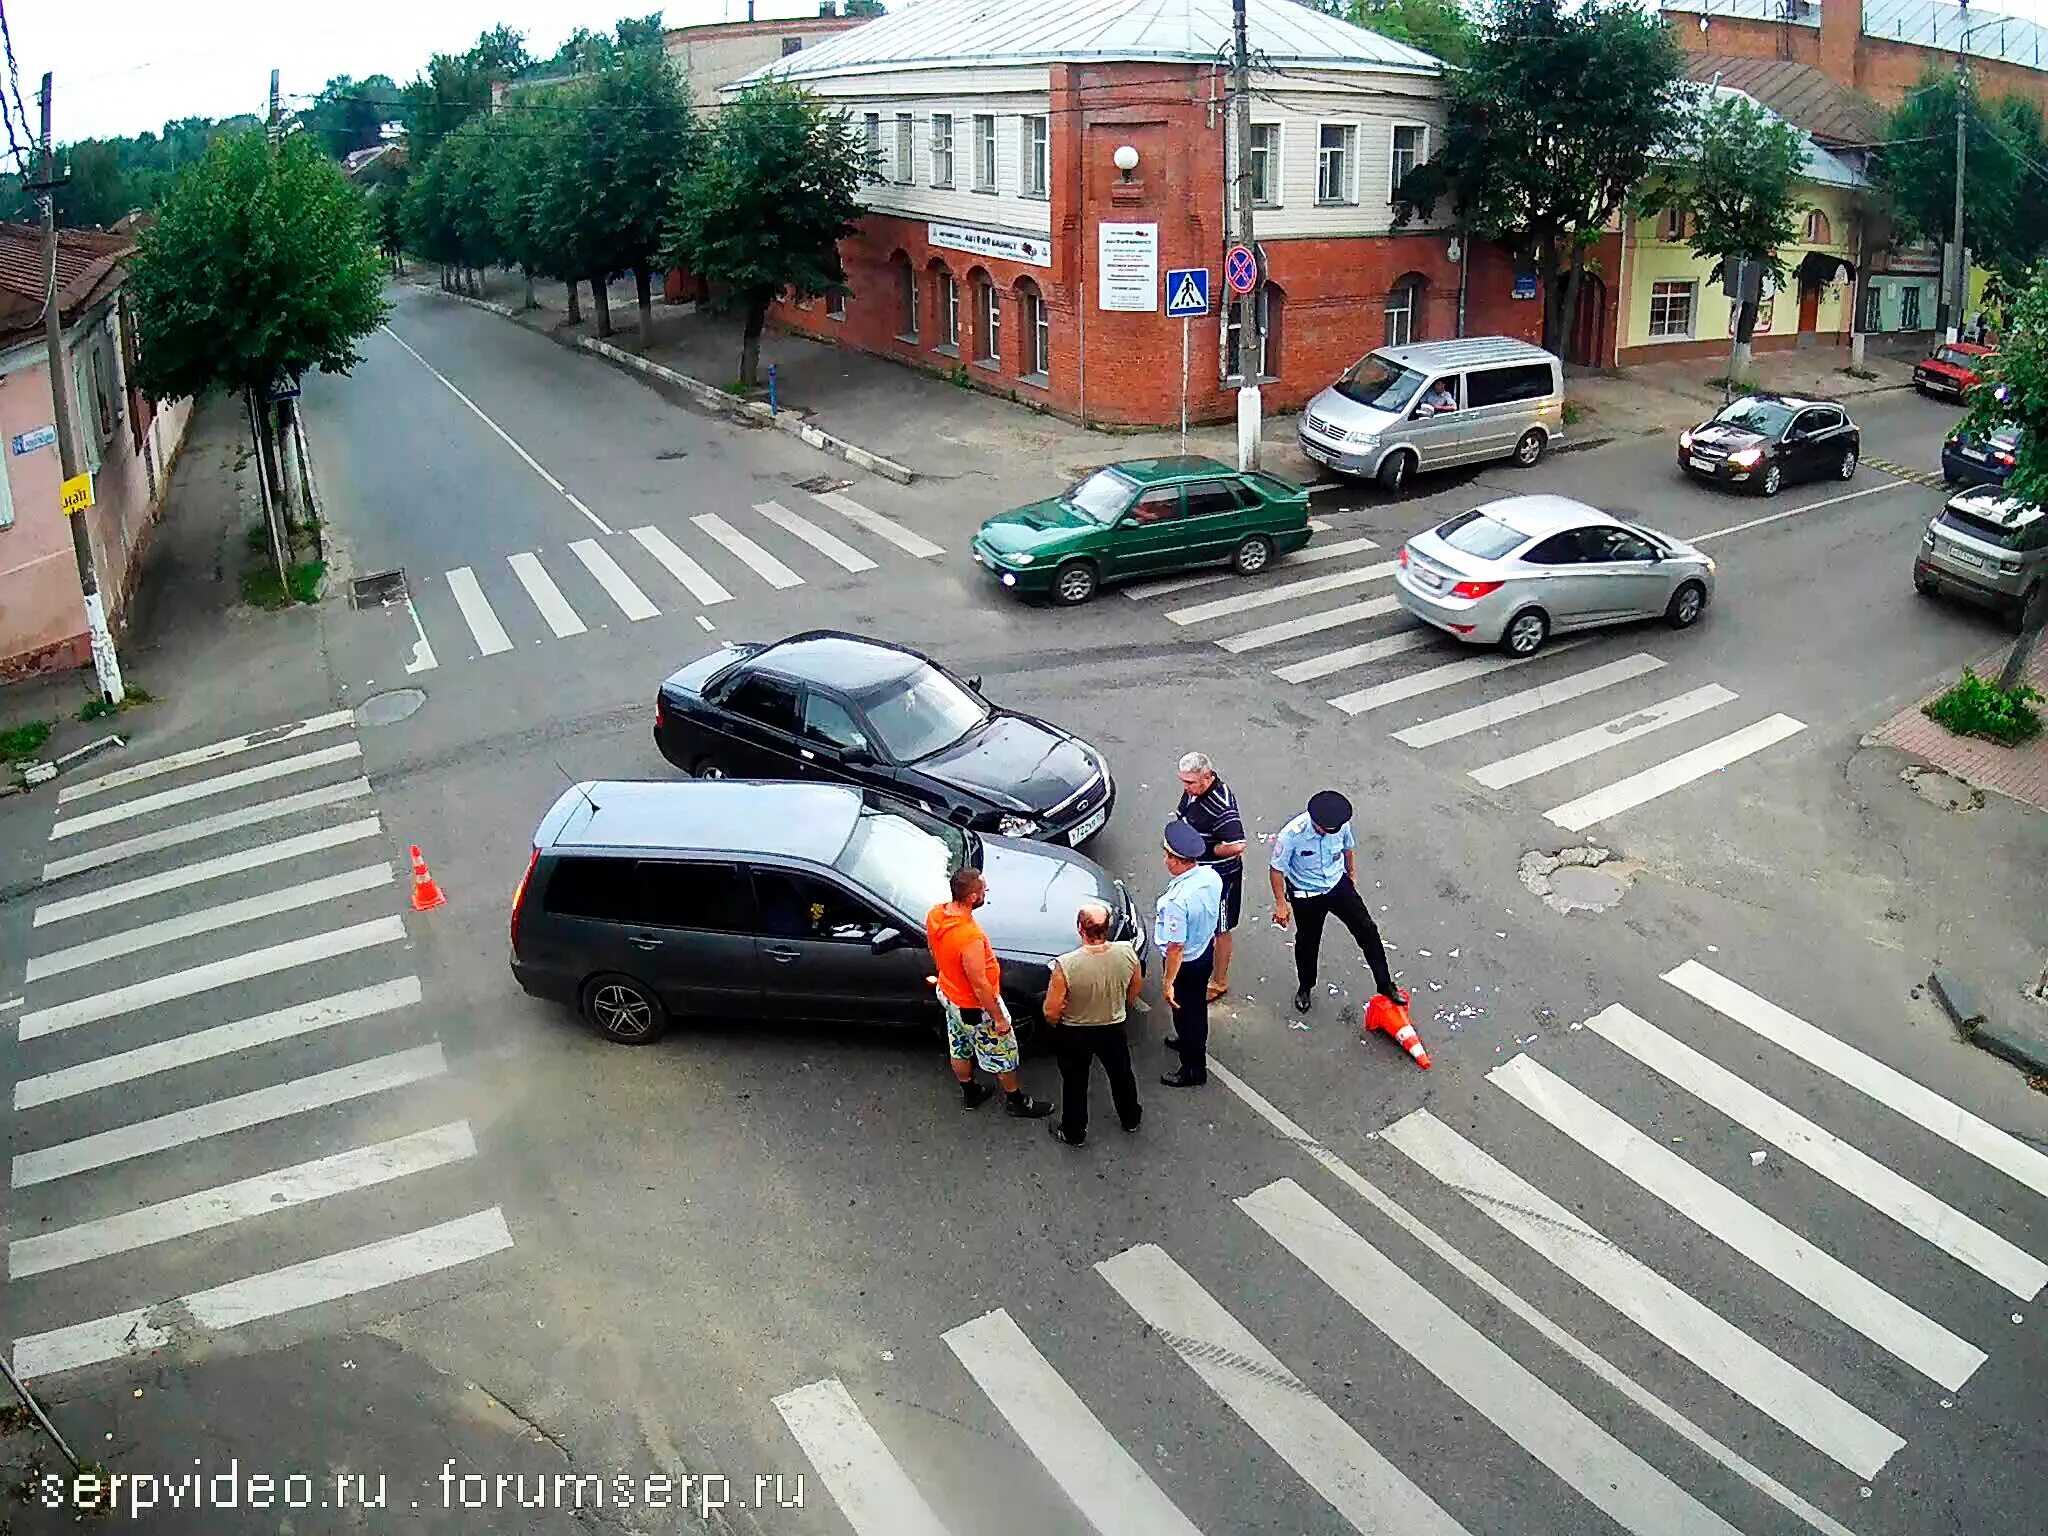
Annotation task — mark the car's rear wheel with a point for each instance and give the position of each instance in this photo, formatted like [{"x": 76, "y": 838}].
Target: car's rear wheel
[
  {"x": 1395, "y": 470},
  {"x": 1530, "y": 449},
  {"x": 1074, "y": 583},
  {"x": 1683, "y": 611},
  {"x": 623, "y": 1010},
  {"x": 1773, "y": 480},
  {"x": 1253, "y": 555},
  {"x": 1526, "y": 632},
  {"x": 1846, "y": 470},
  {"x": 704, "y": 768}
]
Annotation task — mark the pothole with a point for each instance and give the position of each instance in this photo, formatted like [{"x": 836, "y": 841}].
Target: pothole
[
  {"x": 390, "y": 707},
  {"x": 818, "y": 485},
  {"x": 1587, "y": 879},
  {"x": 1942, "y": 789}
]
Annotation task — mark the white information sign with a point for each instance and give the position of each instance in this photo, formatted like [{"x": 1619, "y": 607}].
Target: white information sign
[
  {"x": 1033, "y": 249},
  {"x": 1127, "y": 267}
]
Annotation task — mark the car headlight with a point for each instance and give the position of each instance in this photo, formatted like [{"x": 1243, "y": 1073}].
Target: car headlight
[
  {"x": 1749, "y": 458},
  {"x": 2008, "y": 567},
  {"x": 1017, "y": 826},
  {"x": 1712, "y": 569},
  {"x": 1685, "y": 438},
  {"x": 1024, "y": 558}
]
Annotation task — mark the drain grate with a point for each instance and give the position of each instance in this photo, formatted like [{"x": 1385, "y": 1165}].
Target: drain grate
[
  {"x": 377, "y": 591},
  {"x": 818, "y": 485}
]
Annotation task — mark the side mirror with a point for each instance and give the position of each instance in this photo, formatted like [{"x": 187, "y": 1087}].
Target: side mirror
[
  {"x": 1424, "y": 410},
  {"x": 857, "y": 757},
  {"x": 886, "y": 940},
  {"x": 960, "y": 816},
  {"x": 975, "y": 683}
]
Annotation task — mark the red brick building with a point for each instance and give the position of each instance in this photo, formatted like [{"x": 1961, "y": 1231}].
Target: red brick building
[{"x": 1004, "y": 246}]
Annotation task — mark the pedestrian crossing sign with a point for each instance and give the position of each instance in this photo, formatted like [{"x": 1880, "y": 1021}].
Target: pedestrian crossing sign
[{"x": 1187, "y": 292}]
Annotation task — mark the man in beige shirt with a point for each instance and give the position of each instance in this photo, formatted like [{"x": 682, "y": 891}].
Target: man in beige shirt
[{"x": 1091, "y": 988}]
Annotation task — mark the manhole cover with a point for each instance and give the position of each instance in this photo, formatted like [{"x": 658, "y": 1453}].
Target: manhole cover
[
  {"x": 1587, "y": 879},
  {"x": 378, "y": 590},
  {"x": 389, "y": 708},
  {"x": 818, "y": 485}
]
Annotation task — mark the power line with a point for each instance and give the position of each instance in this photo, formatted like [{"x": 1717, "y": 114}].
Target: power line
[{"x": 12, "y": 103}]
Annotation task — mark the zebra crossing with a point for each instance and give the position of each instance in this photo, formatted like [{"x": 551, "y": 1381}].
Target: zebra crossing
[
  {"x": 1811, "y": 1429},
  {"x": 1292, "y": 621},
  {"x": 217, "y": 985},
  {"x": 592, "y": 586}
]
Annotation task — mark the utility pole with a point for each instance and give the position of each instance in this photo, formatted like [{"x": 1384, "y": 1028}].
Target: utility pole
[
  {"x": 106, "y": 665},
  {"x": 1251, "y": 344},
  {"x": 1959, "y": 290}
]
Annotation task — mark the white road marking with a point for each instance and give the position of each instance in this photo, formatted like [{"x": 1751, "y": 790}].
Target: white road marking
[
  {"x": 477, "y": 613},
  {"x": 1331, "y": 1457},
  {"x": 547, "y": 597},
  {"x": 1364, "y": 655},
  {"x": 1517, "y": 1307},
  {"x": 1603, "y": 1471},
  {"x": 617, "y": 584},
  {"x": 1307, "y": 555},
  {"x": 219, "y": 784},
  {"x": 208, "y": 869},
  {"x": 340, "y": 1173},
  {"x": 1765, "y": 1241},
  {"x": 872, "y": 1490},
  {"x": 531, "y": 462},
  {"x": 1285, "y": 592},
  {"x": 706, "y": 625},
  {"x": 1887, "y": 1085},
  {"x": 702, "y": 586},
  {"x": 217, "y": 1117},
  {"x": 1670, "y": 1316},
  {"x": 216, "y": 1041},
  {"x": 1449, "y": 674},
  {"x": 1598, "y": 738},
  {"x": 194, "y": 831},
  {"x": 905, "y": 539},
  {"x": 276, "y": 1291},
  {"x": 1672, "y": 773},
  {"x": 121, "y": 778},
  {"x": 1308, "y": 624},
  {"x": 750, "y": 554},
  {"x": 204, "y": 978},
  {"x": 1888, "y": 1193},
  {"x": 1317, "y": 525},
  {"x": 12, "y": 1003},
  {"x": 1140, "y": 591},
  {"x": 1811, "y": 506},
  {"x": 1513, "y": 706},
  {"x": 1106, "y": 1485},
  {"x": 423, "y": 658},
  {"x": 228, "y": 914},
  {"x": 831, "y": 546}
]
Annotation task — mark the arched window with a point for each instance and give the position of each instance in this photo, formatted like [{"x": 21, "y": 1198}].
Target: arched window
[
  {"x": 1271, "y": 306},
  {"x": 1817, "y": 229},
  {"x": 945, "y": 307},
  {"x": 1036, "y": 323},
  {"x": 903, "y": 280},
  {"x": 1405, "y": 309},
  {"x": 988, "y": 321}
]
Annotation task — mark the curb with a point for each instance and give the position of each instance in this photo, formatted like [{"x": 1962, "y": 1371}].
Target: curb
[
  {"x": 2024, "y": 1048},
  {"x": 716, "y": 399}
]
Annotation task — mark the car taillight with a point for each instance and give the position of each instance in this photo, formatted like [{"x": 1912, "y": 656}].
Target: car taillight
[
  {"x": 519, "y": 897},
  {"x": 2003, "y": 458},
  {"x": 1475, "y": 588},
  {"x": 660, "y": 712}
]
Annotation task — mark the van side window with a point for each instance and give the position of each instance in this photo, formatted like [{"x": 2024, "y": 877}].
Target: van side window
[
  {"x": 1499, "y": 386},
  {"x": 651, "y": 893}
]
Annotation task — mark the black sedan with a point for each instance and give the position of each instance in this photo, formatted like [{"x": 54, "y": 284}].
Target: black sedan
[
  {"x": 1765, "y": 441},
  {"x": 1967, "y": 459},
  {"x": 842, "y": 708}
]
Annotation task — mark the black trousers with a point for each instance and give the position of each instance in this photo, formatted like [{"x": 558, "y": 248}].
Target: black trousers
[
  {"x": 1191, "y": 1012},
  {"x": 1078, "y": 1047},
  {"x": 1342, "y": 902}
]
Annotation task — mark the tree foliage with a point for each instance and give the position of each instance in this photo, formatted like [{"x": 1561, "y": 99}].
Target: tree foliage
[
  {"x": 763, "y": 208},
  {"x": 112, "y": 177},
  {"x": 1739, "y": 178},
  {"x": 349, "y": 114},
  {"x": 2017, "y": 394},
  {"x": 258, "y": 266},
  {"x": 1534, "y": 158},
  {"x": 2005, "y": 199},
  {"x": 455, "y": 87},
  {"x": 1439, "y": 27}
]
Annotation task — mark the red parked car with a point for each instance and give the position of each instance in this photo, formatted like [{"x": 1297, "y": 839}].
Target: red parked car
[{"x": 1954, "y": 370}]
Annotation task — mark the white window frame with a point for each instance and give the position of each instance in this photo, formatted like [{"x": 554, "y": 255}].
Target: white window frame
[
  {"x": 905, "y": 165},
  {"x": 1034, "y": 154},
  {"x": 1670, "y": 285},
  {"x": 1671, "y": 225},
  {"x": 1410, "y": 297},
  {"x": 1274, "y": 161},
  {"x": 6, "y": 491},
  {"x": 1348, "y": 194},
  {"x": 985, "y": 140},
  {"x": 991, "y": 327},
  {"x": 942, "y": 149},
  {"x": 871, "y": 130},
  {"x": 1822, "y": 235},
  {"x": 949, "y": 313},
  {"x": 1232, "y": 310},
  {"x": 1039, "y": 319},
  {"x": 908, "y": 293},
  {"x": 1395, "y": 176}
]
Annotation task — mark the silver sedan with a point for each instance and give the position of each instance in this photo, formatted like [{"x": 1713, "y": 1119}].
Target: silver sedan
[{"x": 1513, "y": 573}]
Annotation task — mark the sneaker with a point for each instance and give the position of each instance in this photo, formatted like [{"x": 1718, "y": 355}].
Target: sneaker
[
  {"x": 1184, "y": 1078},
  {"x": 974, "y": 1095},
  {"x": 1303, "y": 1000},
  {"x": 1134, "y": 1124},
  {"x": 1059, "y": 1134},
  {"x": 1025, "y": 1107}
]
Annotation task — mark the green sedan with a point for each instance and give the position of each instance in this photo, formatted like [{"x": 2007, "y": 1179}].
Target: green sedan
[{"x": 1143, "y": 518}]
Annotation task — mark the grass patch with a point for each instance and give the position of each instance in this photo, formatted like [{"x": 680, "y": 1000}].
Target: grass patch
[
  {"x": 1975, "y": 707},
  {"x": 132, "y": 694},
  {"x": 1740, "y": 386},
  {"x": 24, "y": 740},
  {"x": 1574, "y": 413},
  {"x": 1865, "y": 374},
  {"x": 305, "y": 579},
  {"x": 261, "y": 588}
]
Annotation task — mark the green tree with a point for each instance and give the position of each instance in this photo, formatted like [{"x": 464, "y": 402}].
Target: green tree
[
  {"x": 764, "y": 205},
  {"x": 1534, "y": 159},
  {"x": 1439, "y": 27},
  {"x": 454, "y": 87},
  {"x": 1739, "y": 179},
  {"x": 2019, "y": 395},
  {"x": 513, "y": 185},
  {"x": 350, "y": 114},
  {"x": 112, "y": 177}
]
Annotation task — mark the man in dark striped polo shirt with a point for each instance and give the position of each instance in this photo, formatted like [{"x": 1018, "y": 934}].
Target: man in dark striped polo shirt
[{"x": 1207, "y": 805}]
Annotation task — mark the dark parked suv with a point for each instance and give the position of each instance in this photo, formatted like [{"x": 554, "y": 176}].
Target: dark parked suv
[{"x": 648, "y": 901}]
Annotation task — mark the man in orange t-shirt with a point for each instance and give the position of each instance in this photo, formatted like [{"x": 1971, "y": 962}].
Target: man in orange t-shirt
[{"x": 978, "y": 1026}]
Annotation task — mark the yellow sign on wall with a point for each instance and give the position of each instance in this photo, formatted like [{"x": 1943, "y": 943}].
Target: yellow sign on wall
[{"x": 77, "y": 493}]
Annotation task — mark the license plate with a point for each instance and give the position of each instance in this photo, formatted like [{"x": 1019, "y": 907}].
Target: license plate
[
  {"x": 1964, "y": 557},
  {"x": 1705, "y": 464},
  {"x": 1088, "y": 828},
  {"x": 1321, "y": 455}
]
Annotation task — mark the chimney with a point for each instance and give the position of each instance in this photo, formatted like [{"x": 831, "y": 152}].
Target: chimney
[{"x": 1841, "y": 39}]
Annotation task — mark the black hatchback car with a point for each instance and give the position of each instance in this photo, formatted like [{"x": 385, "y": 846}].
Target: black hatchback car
[
  {"x": 1765, "y": 441},
  {"x": 842, "y": 708},
  {"x": 648, "y": 901}
]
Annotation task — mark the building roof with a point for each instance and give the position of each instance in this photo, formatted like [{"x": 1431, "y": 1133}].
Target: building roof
[
  {"x": 1923, "y": 23},
  {"x": 88, "y": 267},
  {"x": 1799, "y": 93},
  {"x": 1822, "y": 167},
  {"x": 716, "y": 31},
  {"x": 1797, "y": 13},
  {"x": 926, "y": 34}
]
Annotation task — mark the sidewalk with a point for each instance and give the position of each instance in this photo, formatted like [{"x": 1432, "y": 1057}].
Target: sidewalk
[
  {"x": 2019, "y": 773},
  {"x": 1662, "y": 397}
]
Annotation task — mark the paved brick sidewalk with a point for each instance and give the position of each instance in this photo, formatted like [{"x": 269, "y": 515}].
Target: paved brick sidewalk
[{"x": 2020, "y": 773}]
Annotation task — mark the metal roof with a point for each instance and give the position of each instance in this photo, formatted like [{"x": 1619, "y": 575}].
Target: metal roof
[
  {"x": 1797, "y": 13},
  {"x": 927, "y": 34},
  {"x": 1924, "y": 23},
  {"x": 1822, "y": 167},
  {"x": 1799, "y": 93}
]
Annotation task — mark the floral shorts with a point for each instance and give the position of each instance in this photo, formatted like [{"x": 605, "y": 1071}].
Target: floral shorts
[{"x": 970, "y": 1036}]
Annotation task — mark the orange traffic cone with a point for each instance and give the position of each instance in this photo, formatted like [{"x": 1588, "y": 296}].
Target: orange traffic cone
[
  {"x": 1385, "y": 1016},
  {"x": 426, "y": 892}
]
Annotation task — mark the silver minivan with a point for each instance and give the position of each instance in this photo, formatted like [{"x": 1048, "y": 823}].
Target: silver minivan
[{"x": 1436, "y": 404}]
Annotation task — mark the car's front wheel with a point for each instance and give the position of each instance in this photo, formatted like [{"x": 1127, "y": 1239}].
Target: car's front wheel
[
  {"x": 1074, "y": 583},
  {"x": 1530, "y": 449},
  {"x": 1683, "y": 611},
  {"x": 623, "y": 1010},
  {"x": 1773, "y": 480},
  {"x": 1395, "y": 470},
  {"x": 1253, "y": 555},
  {"x": 1846, "y": 470},
  {"x": 1526, "y": 632}
]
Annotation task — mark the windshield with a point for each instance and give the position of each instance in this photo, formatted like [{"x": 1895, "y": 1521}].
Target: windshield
[
  {"x": 1955, "y": 359},
  {"x": 1380, "y": 384},
  {"x": 1769, "y": 417},
  {"x": 923, "y": 713},
  {"x": 904, "y": 859},
  {"x": 1474, "y": 533},
  {"x": 1102, "y": 496}
]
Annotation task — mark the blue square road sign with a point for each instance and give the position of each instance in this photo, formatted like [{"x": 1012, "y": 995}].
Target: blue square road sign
[{"x": 1187, "y": 292}]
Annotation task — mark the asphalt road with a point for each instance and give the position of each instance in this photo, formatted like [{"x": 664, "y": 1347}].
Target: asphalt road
[{"x": 1699, "y": 1223}]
